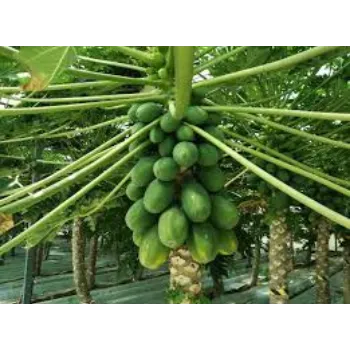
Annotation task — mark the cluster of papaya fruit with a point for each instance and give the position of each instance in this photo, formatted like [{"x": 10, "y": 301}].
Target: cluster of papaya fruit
[{"x": 178, "y": 189}]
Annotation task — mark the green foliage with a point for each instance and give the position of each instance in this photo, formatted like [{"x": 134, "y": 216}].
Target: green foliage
[{"x": 177, "y": 296}]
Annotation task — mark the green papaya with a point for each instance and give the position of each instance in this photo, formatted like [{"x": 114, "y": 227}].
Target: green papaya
[
  {"x": 168, "y": 123},
  {"x": 137, "y": 237},
  {"x": 195, "y": 201},
  {"x": 208, "y": 154},
  {"x": 173, "y": 228},
  {"x": 138, "y": 218},
  {"x": 202, "y": 244},
  {"x": 163, "y": 73},
  {"x": 148, "y": 112},
  {"x": 212, "y": 178},
  {"x": 196, "y": 115},
  {"x": 142, "y": 172},
  {"x": 283, "y": 175},
  {"x": 136, "y": 127},
  {"x": 271, "y": 168},
  {"x": 152, "y": 253},
  {"x": 279, "y": 201},
  {"x": 185, "y": 133},
  {"x": 263, "y": 187},
  {"x": 156, "y": 135},
  {"x": 133, "y": 145},
  {"x": 132, "y": 112},
  {"x": 226, "y": 242},
  {"x": 224, "y": 214},
  {"x": 165, "y": 148},
  {"x": 214, "y": 119},
  {"x": 134, "y": 192},
  {"x": 185, "y": 154},
  {"x": 158, "y": 196},
  {"x": 165, "y": 169},
  {"x": 215, "y": 132}
]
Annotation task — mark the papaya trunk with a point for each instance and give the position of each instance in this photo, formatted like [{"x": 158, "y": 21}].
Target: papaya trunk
[
  {"x": 346, "y": 254},
  {"x": 39, "y": 260},
  {"x": 335, "y": 243},
  {"x": 308, "y": 253},
  {"x": 91, "y": 270},
  {"x": 185, "y": 277},
  {"x": 256, "y": 262},
  {"x": 278, "y": 261},
  {"x": 322, "y": 268},
  {"x": 139, "y": 273},
  {"x": 78, "y": 259},
  {"x": 290, "y": 245},
  {"x": 47, "y": 250}
]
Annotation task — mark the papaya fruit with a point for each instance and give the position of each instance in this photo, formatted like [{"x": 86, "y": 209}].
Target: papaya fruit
[
  {"x": 142, "y": 172},
  {"x": 263, "y": 187},
  {"x": 156, "y": 135},
  {"x": 134, "y": 192},
  {"x": 168, "y": 123},
  {"x": 224, "y": 214},
  {"x": 152, "y": 253},
  {"x": 158, "y": 196},
  {"x": 185, "y": 154},
  {"x": 271, "y": 168},
  {"x": 133, "y": 145},
  {"x": 138, "y": 218},
  {"x": 165, "y": 148},
  {"x": 173, "y": 227},
  {"x": 132, "y": 112},
  {"x": 215, "y": 132},
  {"x": 212, "y": 178},
  {"x": 208, "y": 154},
  {"x": 137, "y": 237},
  {"x": 149, "y": 111},
  {"x": 283, "y": 175},
  {"x": 165, "y": 169},
  {"x": 136, "y": 127},
  {"x": 196, "y": 115},
  {"x": 185, "y": 133},
  {"x": 163, "y": 73},
  {"x": 202, "y": 244},
  {"x": 226, "y": 242},
  {"x": 279, "y": 201},
  {"x": 195, "y": 201},
  {"x": 214, "y": 119}
]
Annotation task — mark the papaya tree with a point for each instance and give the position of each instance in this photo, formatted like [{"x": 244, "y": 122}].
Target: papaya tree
[{"x": 187, "y": 116}]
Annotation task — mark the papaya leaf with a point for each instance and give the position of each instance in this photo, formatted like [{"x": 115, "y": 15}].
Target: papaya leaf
[
  {"x": 6, "y": 223},
  {"x": 45, "y": 63}
]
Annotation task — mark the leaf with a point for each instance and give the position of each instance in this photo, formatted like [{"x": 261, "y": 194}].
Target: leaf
[
  {"x": 6, "y": 223},
  {"x": 45, "y": 63}
]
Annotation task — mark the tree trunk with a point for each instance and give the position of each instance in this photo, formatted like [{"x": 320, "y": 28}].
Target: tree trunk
[
  {"x": 278, "y": 260},
  {"x": 336, "y": 242},
  {"x": 256, "y": 262},
  {"x": 185, "y": 277},
  {"x": 346, "y": 254},
  {"x": 322, "y": 268},
  {"x": 28, "y": 280},
  {"x": 91, "y": 271},
  {"x": 47, "y": 250},
  {"x": 78, "y": 259},
  {"x": 290, "y": 247},
  {"x": 308, "y": 253},
  {"x": 139, "y": 273},
  {"x": 39, "y": 260}
]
